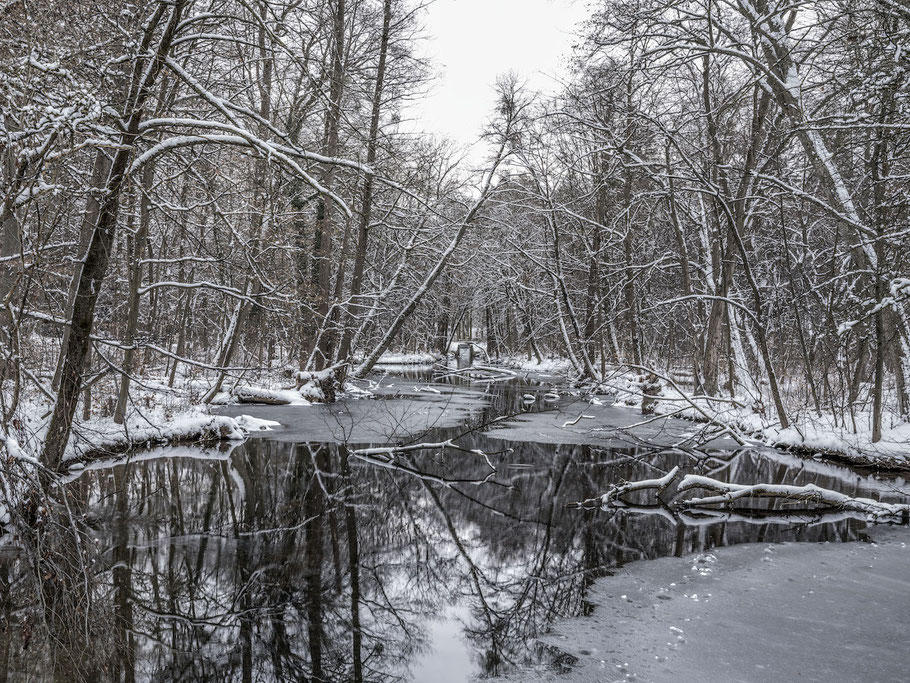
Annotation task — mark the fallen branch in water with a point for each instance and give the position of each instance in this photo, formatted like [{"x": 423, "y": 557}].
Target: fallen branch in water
[
  {"x": 480, "y": 373},
  {"x": 660, "y": 485},
  {"x": 572, "y": 423},
  {"x": 389, "y": 453},
  {"x": 727, "y": 495}
]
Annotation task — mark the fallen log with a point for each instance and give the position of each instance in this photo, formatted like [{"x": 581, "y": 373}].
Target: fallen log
[{"x": 732, "y": 496}]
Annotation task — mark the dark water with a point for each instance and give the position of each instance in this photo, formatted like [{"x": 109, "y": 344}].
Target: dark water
[{"x": 297, "y": 561}]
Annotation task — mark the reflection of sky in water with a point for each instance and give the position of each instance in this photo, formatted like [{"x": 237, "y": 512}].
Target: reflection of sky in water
[
  {"x": 447, "y": 658},
  {"x": 456, "y": 580}
]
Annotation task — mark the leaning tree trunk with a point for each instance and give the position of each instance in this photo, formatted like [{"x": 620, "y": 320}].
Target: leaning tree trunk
[
  {"x": 100, "y": 174},
  {"x": 434, "y": 273},
  {"x": 95, "y": 261}
]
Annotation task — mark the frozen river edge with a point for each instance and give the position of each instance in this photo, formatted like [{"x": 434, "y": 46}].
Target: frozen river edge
[{"x": 754, "y": 612}]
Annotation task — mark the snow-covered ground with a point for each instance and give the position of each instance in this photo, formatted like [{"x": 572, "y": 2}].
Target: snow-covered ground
[
  {"x": 750, "y": 613},
  {"x": 154, "y": 423},
  {"x": 158, "y": 414},
  {"x": 102, "y": 436},
  {"x": 893, "y": 450},
  {"x": 741, "y": 416},
  {"x": 754, "y": 422}
]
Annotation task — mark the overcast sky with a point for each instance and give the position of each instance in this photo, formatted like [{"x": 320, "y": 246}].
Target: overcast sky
[{"x": 471, "y": 42}]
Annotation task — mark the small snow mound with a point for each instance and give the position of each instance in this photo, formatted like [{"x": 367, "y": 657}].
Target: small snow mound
[
  {"x": 355, "y": 391},
  {"x": 254, "y": 424}
]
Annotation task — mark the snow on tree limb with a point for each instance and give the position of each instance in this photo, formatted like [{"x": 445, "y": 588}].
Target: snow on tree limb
[{"x": 732, "y": 496}]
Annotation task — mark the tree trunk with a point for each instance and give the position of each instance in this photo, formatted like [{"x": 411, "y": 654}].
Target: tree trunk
[
  {"x": 324, "y": 225},
  {"x": 100, "y": 174},
  {"x": 95, "y": 264},
  {"x": 135, "y": 269},
  {"x": 366, "y": 202}
]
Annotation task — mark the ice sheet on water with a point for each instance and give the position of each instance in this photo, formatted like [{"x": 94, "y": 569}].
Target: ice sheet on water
[
  {"x": 817, "y": 612},
  {"x": 603, "y": 425},
  {"x": 404, "y": 409}
]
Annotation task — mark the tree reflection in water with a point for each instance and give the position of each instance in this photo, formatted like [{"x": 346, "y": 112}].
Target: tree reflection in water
[{"x": 302, "y": 562}]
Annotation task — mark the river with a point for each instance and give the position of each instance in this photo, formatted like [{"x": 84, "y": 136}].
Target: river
[{"x": 287, "y": 557}]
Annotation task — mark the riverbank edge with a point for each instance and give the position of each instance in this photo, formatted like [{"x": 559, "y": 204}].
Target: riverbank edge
[{"x": 743, "y": 416}]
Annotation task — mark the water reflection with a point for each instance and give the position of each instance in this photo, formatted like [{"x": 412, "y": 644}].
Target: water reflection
[{"x": 281, "y": 561}]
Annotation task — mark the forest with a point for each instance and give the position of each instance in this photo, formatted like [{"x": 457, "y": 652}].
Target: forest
[
  {"x": 206, "y": 203},
  {"x": 215, "y": 190}
]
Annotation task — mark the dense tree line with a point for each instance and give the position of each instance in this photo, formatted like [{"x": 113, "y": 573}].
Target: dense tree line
[
  {"x": 212, "y": 188},
  {"x": 720, "y": 192}
]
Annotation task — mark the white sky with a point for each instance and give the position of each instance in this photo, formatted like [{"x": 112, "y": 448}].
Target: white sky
[{"x": 471, "y": 42}]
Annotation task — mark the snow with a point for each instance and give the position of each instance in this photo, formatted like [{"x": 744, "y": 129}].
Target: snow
[
  {"x": 893, "y": 450},
  {"x": 394, "y": 369},
  {"x": 900, "y": 288},
  {"x": 248, "y": 423},
  {"x": 157, "y": 414},
  {"x": 308, "y": 392},
  {"x": 793, "y": 84},
  {"x": 751, "y": 422},
  {"x": 103, "y": 435},
  {"x": 559, "y": 366},
  {"x": 742, "y": 417},
  {"x": 389, "y": 358},
  {"x": 355, "y": 391},
  {"x": 748, "y": 613},
  {"x": 659, "y": 483},
  {"x": 812, "y": 497},
  {"x": 250, "y": 394}
]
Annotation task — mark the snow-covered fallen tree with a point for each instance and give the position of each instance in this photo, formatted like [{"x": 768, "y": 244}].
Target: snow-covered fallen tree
[
  {"x": 107, "y": 438},
  {"x": 728, "y": 494},
  {"x": 321, "y": 386},
  {"x": 737, "y": 497},
  {"x": 251, "y": 394}
]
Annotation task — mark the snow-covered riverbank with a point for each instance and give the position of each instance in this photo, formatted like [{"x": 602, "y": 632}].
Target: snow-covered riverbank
[
  {"x": 155, "y": 425},
  {"x": 157, "y": 414},
  {"x": 846, "y": 439},
  {"x": 750, "y": 613}
]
